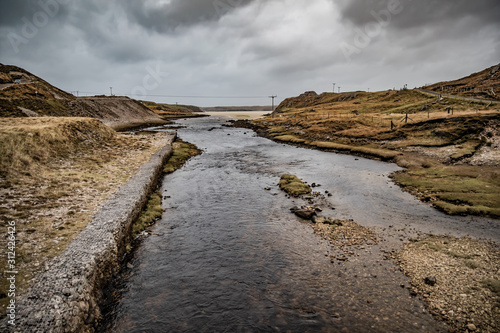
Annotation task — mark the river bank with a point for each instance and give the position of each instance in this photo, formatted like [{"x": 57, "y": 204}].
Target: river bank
[
  {"x": 456, "y": 277},
  {"x": 450, "y": 162},
  {"x": 56, "y": 174},
  {"x": 212, "y": 247}
]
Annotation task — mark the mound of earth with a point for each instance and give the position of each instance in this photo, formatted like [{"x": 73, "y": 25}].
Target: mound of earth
[{"x": 23, "y": 94}]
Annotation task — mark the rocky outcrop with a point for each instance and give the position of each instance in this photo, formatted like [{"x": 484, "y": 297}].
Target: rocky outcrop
[{"x": 65, "y": 297}]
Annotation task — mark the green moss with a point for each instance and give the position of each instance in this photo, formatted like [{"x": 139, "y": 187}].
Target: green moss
[
  {"x": 493, "y": 285},
  {"x": 456, "y": 190},
  {"x": 149, "y": 215},
  {"x": 293, "y": 185},
  {"x": 182, "y": 152}
]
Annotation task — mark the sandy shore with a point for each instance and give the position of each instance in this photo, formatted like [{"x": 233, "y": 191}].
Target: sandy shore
[{"x": 250, "y": 115}]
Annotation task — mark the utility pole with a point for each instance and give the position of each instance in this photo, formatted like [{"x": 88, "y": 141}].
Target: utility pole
[{"x": 273, "y": 97}]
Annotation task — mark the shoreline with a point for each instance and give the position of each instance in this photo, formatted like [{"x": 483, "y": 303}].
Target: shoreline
[
  {"x": 59, "y": 304},
  {"x": 408, "y": 160}
]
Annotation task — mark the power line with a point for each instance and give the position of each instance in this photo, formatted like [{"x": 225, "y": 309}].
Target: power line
[
  {"x": 273, "y": 97},
  {"x": 181, "y": 96}
]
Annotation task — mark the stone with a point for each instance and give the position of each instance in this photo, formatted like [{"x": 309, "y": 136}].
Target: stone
[
  {"x": 430, "y": 280},
  {"x": 471, "y": 327},
  {"x": 319, "y": 219},
  {"x": 306, "y": 214}
]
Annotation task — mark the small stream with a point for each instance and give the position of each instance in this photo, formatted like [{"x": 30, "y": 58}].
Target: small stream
[{"x": 228, "y": 256}]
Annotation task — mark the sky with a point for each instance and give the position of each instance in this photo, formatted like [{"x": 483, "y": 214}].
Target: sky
[{"x": 240, "y": 52}]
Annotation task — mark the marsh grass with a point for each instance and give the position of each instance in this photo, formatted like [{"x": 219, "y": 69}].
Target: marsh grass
[
  {"x": 181, "y": 153},
  {"x": 293, "y": 185},
  {"x": 149, "y": 215},
  {"x": 456, "y": 189}
]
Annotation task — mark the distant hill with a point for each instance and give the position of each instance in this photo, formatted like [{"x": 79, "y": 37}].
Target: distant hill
[
  {"x": 237, "y": 108},
  {"x": 484, "y": 84},
  {"x": 23, "y": 94},
  {"x": 173, "y": 111}
]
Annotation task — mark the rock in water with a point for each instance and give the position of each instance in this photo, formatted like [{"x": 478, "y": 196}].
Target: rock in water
[{"x": 306, "y": 214}]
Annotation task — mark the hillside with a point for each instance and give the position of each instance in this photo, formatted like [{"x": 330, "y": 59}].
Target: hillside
[
  {"x": 448, "y": 146},
  {"x": 237, "y": 108},
  {"x": 484, "y": 84},
  {"x": 173, "y": 111},
  {"x": 54, "y": 173},
  {"x": 23, "y": 94}
]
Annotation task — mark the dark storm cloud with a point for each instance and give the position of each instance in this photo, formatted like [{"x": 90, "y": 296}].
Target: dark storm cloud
[
  {"x": 179, "y": 13},
  {"x": 258, "y": 47},
  {"x": 421, "y": 13},
  {"x": 13, "y": 12}
]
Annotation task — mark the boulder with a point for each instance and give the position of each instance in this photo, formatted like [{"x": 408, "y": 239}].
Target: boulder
[{"x": 306, "y": 214}]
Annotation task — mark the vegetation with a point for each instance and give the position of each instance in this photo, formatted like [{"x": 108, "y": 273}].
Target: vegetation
[
  {"x": 149, "y": 215},
  {"x": 293, "y": 185},
  {"x": 455, "y": 189},
  {"x": 182, "y": 152},
  {"x": 29, "y": 143},
  {"x": 172, "y": 111},
  {"x": 54, "y": 173},
  {"x": 447, "y": 145}
]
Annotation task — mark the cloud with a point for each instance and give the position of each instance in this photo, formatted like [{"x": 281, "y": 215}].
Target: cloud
[
  {"x": 248, "y": 47},
  {"x": 166, "y": 16},
  {"x": 422, "y": 13}
]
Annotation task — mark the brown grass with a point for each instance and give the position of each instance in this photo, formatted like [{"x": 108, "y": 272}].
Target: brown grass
[
  {"x": 423, "y": 137},
  {"x": 55, "y": 174}
]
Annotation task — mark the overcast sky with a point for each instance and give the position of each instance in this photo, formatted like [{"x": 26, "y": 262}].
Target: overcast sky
[{"x": 247, "y": 48}]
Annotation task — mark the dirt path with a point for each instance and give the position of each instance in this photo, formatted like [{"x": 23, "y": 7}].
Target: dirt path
[{"x": 471, "y": 99}]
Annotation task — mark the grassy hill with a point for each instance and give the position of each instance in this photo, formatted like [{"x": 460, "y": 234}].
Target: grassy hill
[
  {"x": 449, "y": 146},
  {"x": 23, "y": 94},
  {"x": 173, "y": 111},
  {"x": 484, "y": 84}
]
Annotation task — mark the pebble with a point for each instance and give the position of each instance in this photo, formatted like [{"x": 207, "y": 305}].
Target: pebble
[{"x": 471, "y": 327}]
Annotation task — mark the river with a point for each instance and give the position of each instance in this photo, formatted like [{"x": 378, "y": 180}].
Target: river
[{"x": 228, "y": 256}]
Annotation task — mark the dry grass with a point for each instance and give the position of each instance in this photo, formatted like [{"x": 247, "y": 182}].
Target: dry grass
[
  {"x": 410, "y": 128},
  {"x": 55, "y": 174},
  {"x": 29, "y": 142}
]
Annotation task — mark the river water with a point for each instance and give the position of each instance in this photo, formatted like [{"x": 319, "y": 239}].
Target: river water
[{"x": 228, "y": 256}]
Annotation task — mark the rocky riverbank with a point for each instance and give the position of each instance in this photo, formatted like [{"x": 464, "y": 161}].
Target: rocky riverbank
[{"x": 457, "y": 278}]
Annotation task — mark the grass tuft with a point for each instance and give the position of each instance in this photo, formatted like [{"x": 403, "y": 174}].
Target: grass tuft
[{"x": 293, "y": 185}]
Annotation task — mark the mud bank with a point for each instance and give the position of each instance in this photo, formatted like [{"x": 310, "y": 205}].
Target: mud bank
[{"x": 65, "y": 297}]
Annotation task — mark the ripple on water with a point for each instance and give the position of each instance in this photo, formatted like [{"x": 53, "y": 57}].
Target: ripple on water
[{"x": 229, "y": 256}]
